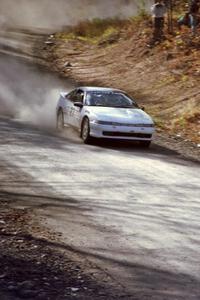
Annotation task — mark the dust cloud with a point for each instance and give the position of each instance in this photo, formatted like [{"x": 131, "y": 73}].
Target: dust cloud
[
  {"x": 52, "y": 14},
  {"x": 29, "y": 94}
]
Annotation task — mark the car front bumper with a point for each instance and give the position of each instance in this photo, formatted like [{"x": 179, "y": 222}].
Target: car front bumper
[{"x": 121, "y": 132}]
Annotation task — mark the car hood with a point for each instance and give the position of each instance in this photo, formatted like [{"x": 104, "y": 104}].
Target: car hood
[{"x": 123, "y": 115}]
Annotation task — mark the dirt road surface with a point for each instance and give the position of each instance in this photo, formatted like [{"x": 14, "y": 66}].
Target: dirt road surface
[{"x": 132, "y": 212}]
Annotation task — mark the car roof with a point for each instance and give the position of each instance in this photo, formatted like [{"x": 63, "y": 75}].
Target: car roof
[{"x": 98, "y": 89}]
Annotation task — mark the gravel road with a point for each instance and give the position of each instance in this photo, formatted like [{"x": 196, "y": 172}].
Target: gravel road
[{"x": 132, "y": 212}]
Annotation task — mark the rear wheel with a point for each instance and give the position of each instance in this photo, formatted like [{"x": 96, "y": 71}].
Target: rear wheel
[
  {"x": 85, "y": 131},
  {"x": 60, "y": 121},
  {"x": 145, "y": 144}
]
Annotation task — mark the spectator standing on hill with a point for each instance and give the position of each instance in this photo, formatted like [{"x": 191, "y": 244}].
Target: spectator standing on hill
[
  {"x": 184, "y": 19},
  {"x": 158, "y": 11},
  {"x": 194, "y": 14}
]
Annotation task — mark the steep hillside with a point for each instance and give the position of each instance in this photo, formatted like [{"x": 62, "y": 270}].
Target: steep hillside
[{"x": 164, "y": 78}]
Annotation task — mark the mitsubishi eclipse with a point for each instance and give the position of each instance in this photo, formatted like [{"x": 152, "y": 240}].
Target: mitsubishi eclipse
[{"x": 104, "y": 113}]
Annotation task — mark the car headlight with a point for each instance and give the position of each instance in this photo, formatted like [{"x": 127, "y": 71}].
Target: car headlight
[{"x": 99, "y": 122}]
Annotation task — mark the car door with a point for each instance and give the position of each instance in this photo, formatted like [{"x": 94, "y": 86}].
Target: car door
[
  {"x": 69, "y": 107},
  {"x": 76, "y": 112}
]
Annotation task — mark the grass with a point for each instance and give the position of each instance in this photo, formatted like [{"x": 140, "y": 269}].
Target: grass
[
  {"x": 93, "y": 30},
  {"x": 98, "y": 29}
]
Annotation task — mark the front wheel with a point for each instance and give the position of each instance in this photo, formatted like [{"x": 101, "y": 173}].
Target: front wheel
[
  {"x": 145, "y": 144},
  {"x": 60, "y": 121},
  {"x": 85, "y": 131}
]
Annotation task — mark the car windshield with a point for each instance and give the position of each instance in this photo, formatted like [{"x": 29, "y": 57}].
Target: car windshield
[{"x": 109, "y": 99}]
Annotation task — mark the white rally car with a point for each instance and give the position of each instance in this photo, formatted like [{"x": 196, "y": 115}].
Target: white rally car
[{"x": 104, "y": 113}]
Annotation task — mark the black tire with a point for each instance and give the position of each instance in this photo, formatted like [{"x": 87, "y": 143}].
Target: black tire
[
  {"x": 85, "y": 131},
  {"x": 60, "y": 121},
  {"x": 145, "y": 144}
]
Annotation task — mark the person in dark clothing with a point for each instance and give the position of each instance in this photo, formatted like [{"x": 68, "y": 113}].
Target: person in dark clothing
[
  {"x": 184, "y": 20},
  {"x": 194, "y": 14}
]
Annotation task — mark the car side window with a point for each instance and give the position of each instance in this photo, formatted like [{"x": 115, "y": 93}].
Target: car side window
[
  {"x": 76, "y": 96},
  {"x": 71, "y": 96},
  {"x": 79, "y": 96}
]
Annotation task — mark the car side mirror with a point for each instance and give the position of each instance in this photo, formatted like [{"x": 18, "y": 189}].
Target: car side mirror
[{"x": 78, "y": 104}]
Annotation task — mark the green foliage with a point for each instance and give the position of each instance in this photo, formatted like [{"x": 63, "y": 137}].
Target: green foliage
[
  {"x": 95, "y": 30},
  {"x": 96, "y": 27}
]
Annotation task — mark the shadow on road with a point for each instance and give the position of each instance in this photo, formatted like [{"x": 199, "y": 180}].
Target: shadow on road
[
  {"x": 35, "y": 268},
  {"x": 148, "y": 281}
]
